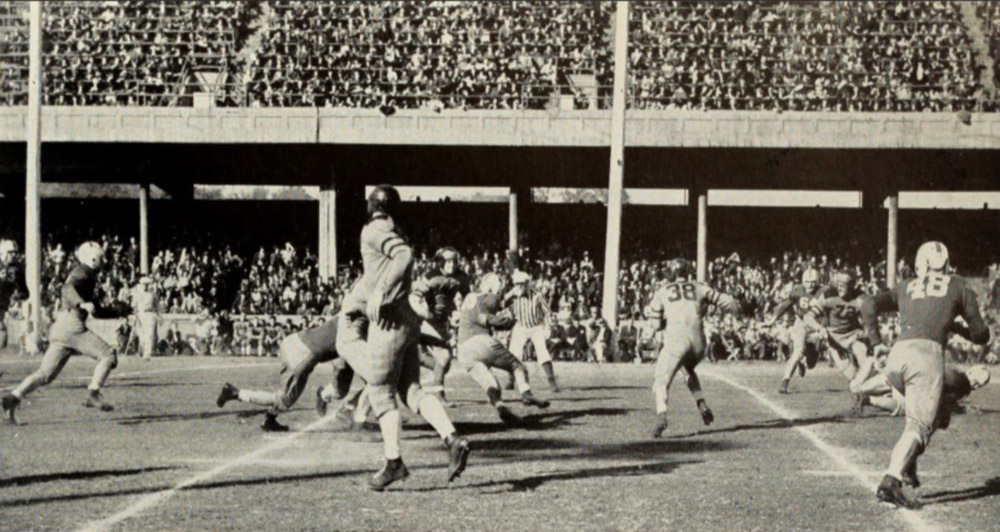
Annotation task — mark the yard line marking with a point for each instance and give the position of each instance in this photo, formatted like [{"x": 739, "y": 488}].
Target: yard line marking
[
  {"x": 154, "y": 499},
  {"x": 914, "y": 519}
]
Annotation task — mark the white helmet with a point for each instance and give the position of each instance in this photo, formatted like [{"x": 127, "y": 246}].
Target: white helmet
[
  {"x": 491, "y": 283},
  {"x": 978, "y": 376},
  {"x": 7, "y": 249},
  {"x": 90, "y": 254},
  {"x": 932, "y": 256}
]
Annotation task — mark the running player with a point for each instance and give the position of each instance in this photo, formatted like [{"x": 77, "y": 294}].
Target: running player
[
  {"x": 805, "y": 350},
  {"x": 392, "y": 357},
  {"x": 69, "y": 335},
  {"x": 842, "y": 313},
  {"x": 441, "y": 288},
  {"x": 677, "y": 309},
  {"x": 478, "y": 350},
  {"x": 300, "y": 353},
  {"x": 928, "y": 306}
]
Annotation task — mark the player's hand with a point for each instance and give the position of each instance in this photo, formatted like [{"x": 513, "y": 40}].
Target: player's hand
[
  {"x": 374, "y": 308},
  {"x": 88, "y": 306},
  {"x": 421, "y": 307}
]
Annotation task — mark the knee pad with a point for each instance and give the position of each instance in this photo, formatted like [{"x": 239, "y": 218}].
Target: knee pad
[{"x": 382, "y": 399}]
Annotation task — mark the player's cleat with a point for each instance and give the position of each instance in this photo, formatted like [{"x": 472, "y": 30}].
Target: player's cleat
[
  {"x": 270, "y": 424},
  {"x": 858, "y": 408},
  {"x": 228, "y": 393},
  {"x": 392, "y": 471},
  {"x": 507, "y": 416},
  {"x": 661, "y": 425},
  {"x": 530, "y": 400},
  {"x": 910, "y": 477},
  {"x": 707, "y": 416},
  {"x": 96, "y": 400},
  {"x": 10, "y": 404},
  {"x": 458, "y": 455},
  {"x": 783, "y": 389},
  {"x": 320, "y": 403},
  {"x": 890, "y": 493}
]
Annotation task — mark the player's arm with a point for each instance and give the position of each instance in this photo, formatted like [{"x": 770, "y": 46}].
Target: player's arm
[
  {"x": 487, "y": 314},
  {"x": 976, "y": 330},
  {"x": 418, "y": 298},
  {"x": 816, "y": 309},
  {"x": 871, "y": 307},
  {"x": 656, "y": 313},
  {"x": 722, "y": 300}
]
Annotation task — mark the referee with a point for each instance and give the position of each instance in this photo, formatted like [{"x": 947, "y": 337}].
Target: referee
[{"x": 532, "y": 315}]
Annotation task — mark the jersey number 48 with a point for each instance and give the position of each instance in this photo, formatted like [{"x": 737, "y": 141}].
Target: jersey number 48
[{"x": 933, "y": 285}]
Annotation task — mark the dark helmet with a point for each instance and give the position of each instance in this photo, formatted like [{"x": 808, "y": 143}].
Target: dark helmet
[
  {"x": 444, "y": 254},
  {"x": 384, "y": 199},
  {"x": 679, "y": 269}
]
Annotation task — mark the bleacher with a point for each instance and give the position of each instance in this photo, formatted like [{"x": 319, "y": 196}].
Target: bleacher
[{"x": 810, "y": 56}]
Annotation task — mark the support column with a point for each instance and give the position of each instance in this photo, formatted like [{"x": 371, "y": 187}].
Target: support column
[
  {"x": 327, "y": 233},
  {"x": 891, "y": 248},
  {"x": 32, "y": 218},
  {"x": 702, "y": 238},
  {"x": 616, "y": 178},
  {"x": 144, "y": 228},
  {"x": 512, "y": 232}
]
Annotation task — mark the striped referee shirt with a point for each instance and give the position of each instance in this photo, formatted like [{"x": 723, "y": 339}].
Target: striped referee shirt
[{"x": 530, "y": 309}]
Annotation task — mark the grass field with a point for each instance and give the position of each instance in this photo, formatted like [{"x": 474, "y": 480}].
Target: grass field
[{"x": 169, "y": 459}]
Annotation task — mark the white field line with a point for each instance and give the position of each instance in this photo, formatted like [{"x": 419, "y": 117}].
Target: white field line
[
  {"x": 155, "y": 499},
  {"x": 914, "y": 519}
]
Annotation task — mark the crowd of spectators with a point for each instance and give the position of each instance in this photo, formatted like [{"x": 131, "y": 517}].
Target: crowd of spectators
[
  {"x": 123, "y": 52},
  {"x": 802, "y": 56},
  {"x": 830, "y": 56}
]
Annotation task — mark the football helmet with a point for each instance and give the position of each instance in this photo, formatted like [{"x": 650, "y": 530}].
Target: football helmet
[
  {"x": 679, "y": 270},
  {"x": 491, "y": 283},
  {"x": 384, "y": 199},
  {"x": 978, "y": 376},
  {"x": 810, "y": 278},
  {"x": 90, "y": 254},
  {"x": 931, "y": 257},
  {"x": 444, "y": 256}
]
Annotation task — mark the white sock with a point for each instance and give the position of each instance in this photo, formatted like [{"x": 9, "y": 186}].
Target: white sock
[
  {"x": 256, "y": 397},
  {"x": 391, "y": 425},
  {"x": 430, "y": 409}
]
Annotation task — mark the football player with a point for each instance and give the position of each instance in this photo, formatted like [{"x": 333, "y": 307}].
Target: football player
[
  {"x": 677, "y": 310},
  {"x": 300, "y": 353},
  {"x": 842, "y": 313},
  {"x": 442, "y": 286},
  {"x": 479, "y": 351},
  {"x": 928, "y": 306},
  {"x": 12, "y": 284},
  {"x": 391, "y": 364},
  {"x": 69, "y": 335},
  {"x": 805, "y": 348}
]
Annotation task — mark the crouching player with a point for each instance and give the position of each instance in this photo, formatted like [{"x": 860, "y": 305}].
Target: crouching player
[
  {"x": 69, "y": 335},
  {"x": 441, "y": 288},
  {"x": 300, "y": 353},
  {"x": 805, "y": 346},
  {"x": 478, "y": 350},
  {"x": 677, "y": 309},
  {"x": 928, "y": 306}
]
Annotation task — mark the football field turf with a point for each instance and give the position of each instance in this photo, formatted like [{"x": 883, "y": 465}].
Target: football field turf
[{"x": 168, "y": 459}]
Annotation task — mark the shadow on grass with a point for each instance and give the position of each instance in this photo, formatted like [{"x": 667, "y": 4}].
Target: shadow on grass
[
  {"x": 532, "y": 482},
  {"x": 77, "y": 475},
  {"x": 534, "y": 449},
  {"x": 187, "y": 416},
  {"x": 990, "y": 488},
  {"x": 778, "y": 423},
  {"x": 197, "y": 487}
]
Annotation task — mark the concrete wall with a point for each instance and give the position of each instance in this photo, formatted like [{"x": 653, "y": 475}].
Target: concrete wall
[{"x": 506, "y": 128}]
